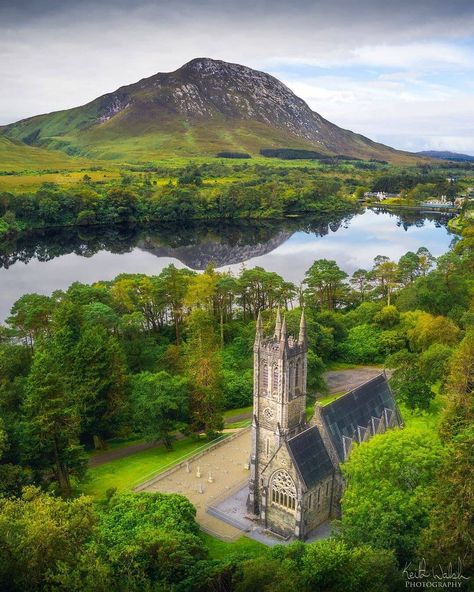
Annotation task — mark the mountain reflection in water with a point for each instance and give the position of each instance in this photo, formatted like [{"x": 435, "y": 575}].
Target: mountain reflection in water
[{"x": 48, "y": 260}]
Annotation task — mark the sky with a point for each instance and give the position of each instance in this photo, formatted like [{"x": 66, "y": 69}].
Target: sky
[{"x": 400, "y": 72}]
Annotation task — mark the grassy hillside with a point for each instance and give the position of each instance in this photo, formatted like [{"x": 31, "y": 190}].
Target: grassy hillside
[
  {"x": 205, "y": 107},
  {"x": 15, "y": 157}
]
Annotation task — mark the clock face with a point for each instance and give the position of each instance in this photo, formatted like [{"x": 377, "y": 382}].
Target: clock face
[{"x": 268, "y": 414}]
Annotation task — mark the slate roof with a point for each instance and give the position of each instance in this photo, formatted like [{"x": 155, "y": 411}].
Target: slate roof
[
  {"x": 310, "y": 456},
  {"x": 356, "y": 408}
]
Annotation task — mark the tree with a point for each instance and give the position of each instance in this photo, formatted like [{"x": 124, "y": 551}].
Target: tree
[
  {"x": 318, "y": 567},
  {"x": 30, "y": 317},
  {"x": 159, "y": 405},
  {"x": 175, "y": 285},
  {"x": 386, "y": 502},
  {"x": 387, "y": 317},
  {"x": 150, "y": 540},
  {"x": 362, "y": 345},
  {"x": 408, "y": 266},
  {"x": 385, "y": 272},
  {"x": 361, "y": 281},
  {"x": 450, "y": 535},
  {"x": 429, "y": 329},
  {"x": 324, "y": 280},
  {"x": 434, "y": 362},
  {"x": 203, "y": 367},
  {"x": 52, "y": 419},
  {"x": 39, "y": 535},
  {"x": 98, "y": 375}
]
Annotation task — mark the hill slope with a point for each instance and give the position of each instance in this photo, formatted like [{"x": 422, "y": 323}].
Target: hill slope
[
  {"x": 15, "y": 156},
  {"x": 204, "y": 107},
  {"x": 446, "y": 155}
]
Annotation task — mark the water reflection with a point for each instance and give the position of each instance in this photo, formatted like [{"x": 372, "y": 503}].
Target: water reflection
[{"x": 49, "y": 260}]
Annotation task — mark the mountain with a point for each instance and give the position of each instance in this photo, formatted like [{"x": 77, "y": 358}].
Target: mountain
[
  {"x": 446, "y": 155},
  {"x": 205, "y": 107}
]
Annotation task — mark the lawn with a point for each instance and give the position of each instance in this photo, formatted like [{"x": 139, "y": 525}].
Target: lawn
[
  {"x": 242, "y": 547},
  {"x": 127, "y": 472},
  {"x": 117, "y": 443},
  {"x": 233, "y": 412},
  {"x": 424, "y": 419}
]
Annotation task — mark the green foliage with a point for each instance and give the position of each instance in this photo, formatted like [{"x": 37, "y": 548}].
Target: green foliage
[
  {"x": 41, "y": 535},
  {"x": 324, "y": 280},
  {"x": 386, "y": 502},
  {"x": 159, "y": 405},
  {"x": 362, "y": 345},
  {"x": 316, "y": 567}
]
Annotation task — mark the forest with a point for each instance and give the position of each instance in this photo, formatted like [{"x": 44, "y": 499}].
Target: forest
[
  {"x": 158, "y": 356},
  {"x": 225, "y": 189}
]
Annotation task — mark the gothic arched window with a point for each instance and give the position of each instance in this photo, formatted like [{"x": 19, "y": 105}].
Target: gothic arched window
[
  {"x": 275, "y": 379},
  {"x": 291, "y": 377},
  {"x": 265, "y": 377},
  {"x": 297, "y": 376},
  {"x": 283, "y": 490}
]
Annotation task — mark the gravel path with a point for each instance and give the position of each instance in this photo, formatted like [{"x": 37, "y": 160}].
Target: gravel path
[{"x": 341, "y": 381}]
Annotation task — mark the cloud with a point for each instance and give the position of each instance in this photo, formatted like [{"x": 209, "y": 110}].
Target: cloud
[{"x": 56, "y": 54}]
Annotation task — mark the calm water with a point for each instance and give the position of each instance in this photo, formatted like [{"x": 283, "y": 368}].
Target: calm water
[{"x": 46, "y": 261}]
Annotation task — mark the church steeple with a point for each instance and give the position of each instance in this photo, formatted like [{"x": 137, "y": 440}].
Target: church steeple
[
  {"x": 302, "y": 338},
  {"x": 283, "y": 331},
  {"x": 259, "y": 330},
  {"x": 279, "y": 399},
  {"x": 278, "y": 324}
]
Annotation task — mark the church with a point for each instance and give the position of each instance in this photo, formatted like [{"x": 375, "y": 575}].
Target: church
[{"x": 295, "y": 479}]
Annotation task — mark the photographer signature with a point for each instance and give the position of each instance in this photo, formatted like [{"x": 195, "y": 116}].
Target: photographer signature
[{"x": 434, "y": 573}]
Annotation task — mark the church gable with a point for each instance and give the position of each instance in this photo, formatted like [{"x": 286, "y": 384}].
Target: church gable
[
  {"x": 310, "y": 457},
  {"x": 363, "y": 412}
]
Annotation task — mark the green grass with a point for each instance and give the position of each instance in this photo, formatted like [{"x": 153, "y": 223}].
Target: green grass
[
  {"x": 425, "y": 419},
  {"x": 244, "y": 423},
  {"x": 116, "y": 443},
  {"x": 330, "y": 398},
  {"x": 233, "y": 412},
  {"x": 243, "y": 547},
  {"x": 17, "y": 157},
  {"x": 125, "y": 473}
]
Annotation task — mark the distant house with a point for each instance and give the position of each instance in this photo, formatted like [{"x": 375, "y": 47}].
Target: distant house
[{"x": 379, "y": 195}]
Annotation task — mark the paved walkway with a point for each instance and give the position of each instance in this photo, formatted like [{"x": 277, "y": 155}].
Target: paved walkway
[
  {"x": 342, "y": 381},
  {"x": 226, "y": 465}
]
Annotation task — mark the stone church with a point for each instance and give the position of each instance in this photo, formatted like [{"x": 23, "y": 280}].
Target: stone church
[{"x": 295, "y": 480}]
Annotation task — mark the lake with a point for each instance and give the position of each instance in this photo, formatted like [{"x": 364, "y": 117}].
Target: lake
[{"x": 45, "y": 261}]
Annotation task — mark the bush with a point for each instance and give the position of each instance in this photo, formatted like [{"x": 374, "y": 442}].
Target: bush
[{"x": 362, "y": 345}]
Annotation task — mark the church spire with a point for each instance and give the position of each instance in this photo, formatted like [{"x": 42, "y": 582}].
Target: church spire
[
  {"x": 283, "y": 330},
  {"x": 278, "y": 324},
  {"x": 259, "y": 331},
  {"x": 302, "y": 336}
]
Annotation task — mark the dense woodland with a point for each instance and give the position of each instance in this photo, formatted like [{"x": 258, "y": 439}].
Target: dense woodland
[
  {"x": 218, "y": 191},
  {"x": 155, "y": 356}
]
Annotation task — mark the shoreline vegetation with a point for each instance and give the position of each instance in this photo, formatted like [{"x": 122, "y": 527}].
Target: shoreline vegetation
[{"x": 225, "y": 189}]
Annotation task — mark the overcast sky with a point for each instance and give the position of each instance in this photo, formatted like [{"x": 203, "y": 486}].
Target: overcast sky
[{"x": 398, "y": 72}]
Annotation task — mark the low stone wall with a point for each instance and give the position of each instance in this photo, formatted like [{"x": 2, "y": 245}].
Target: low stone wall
[{"x": 149, "y": 482}]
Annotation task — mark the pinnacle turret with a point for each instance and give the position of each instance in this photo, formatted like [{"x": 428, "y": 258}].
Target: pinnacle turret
[
  {"x": 302, "y": 338},
  {"x": 278, "y": 324},
  {"x": 283, "y": 331},
  {"x": 259, "y": 330}
]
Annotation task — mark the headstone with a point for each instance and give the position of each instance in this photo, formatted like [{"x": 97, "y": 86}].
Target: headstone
[
  {"x": 210, "y": 479},
  {"x": 201, "y": 490},
  {"x": 198, "y": 472},
  {"x": 187, "y": 467}
]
